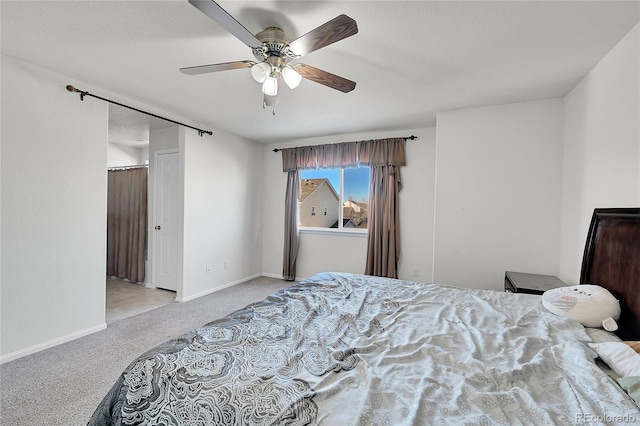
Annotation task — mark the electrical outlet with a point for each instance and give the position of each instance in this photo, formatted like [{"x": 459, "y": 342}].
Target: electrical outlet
[
  {"x": 416, "y": 272},
  {"x": 207, "y": 270},
  {"x": 226, "y": 264}
]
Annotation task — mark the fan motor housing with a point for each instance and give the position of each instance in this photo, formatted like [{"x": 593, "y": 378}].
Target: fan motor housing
[{"x": 275, "y": 42}]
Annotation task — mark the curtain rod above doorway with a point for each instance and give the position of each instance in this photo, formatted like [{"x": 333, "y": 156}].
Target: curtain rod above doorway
[
  {"x": 83, "y": 93},
  {"x": 412, "y": 137},
  {"x": 134, "y": 166}
]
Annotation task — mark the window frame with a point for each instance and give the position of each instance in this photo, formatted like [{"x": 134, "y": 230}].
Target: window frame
[{"x": 340, "y": 230}]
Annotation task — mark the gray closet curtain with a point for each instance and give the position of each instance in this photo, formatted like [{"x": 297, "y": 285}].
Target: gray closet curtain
[
  {"x": 384, "y": 156},
  {"x": 127, "y": 223}
]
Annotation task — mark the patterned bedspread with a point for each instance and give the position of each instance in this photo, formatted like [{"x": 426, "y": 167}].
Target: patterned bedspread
[{"x": 345, "y": 349}]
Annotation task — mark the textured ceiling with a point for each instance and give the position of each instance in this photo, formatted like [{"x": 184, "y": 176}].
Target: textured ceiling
[{"x": 410, "y": 59}]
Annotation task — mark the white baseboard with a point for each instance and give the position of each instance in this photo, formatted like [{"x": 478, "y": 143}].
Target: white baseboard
[
  {"x": 213, "y": 290},
  {"x": 264, "y": 274},
  {"x": 69, "y": 337},
  {"x": 51, "y": 343}
]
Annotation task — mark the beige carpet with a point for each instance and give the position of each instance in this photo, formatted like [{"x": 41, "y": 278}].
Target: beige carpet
[{"x": 63, "y": 385}]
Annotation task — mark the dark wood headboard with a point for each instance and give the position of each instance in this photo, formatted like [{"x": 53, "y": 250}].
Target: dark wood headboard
[{"x": 612, "y": 260}]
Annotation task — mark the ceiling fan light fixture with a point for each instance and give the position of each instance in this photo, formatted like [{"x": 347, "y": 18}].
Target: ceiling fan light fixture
[
  {"x": 270, "y": 86},
  {"x": 260, "y": 71},
  {"x": 274, "y": 50},
  {"x": 291, "y": 77}
]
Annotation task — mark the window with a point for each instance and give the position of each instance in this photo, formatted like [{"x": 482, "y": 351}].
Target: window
[{"x": 323, "y": 192}]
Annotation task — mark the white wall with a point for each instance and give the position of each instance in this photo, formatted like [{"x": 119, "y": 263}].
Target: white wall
[
  {"x": 347, "y": 253},
  {"x": 54, "y": 191},
  {"x": 601, "y": 147},
  {"x": 162, "y": 139},
  {"x": 516, "y": 185},
  {"x": 497, "y": 193},
  {"x": 124, "y": 155},
  {"x": 222, "y": 211},
  {"x": 54, "y": 188}
]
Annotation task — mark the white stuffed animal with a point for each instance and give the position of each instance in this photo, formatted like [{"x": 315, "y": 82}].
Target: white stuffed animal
[{"x": 591, "y": 305}]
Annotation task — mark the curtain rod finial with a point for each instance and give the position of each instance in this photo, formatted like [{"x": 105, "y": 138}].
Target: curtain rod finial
[{"x": 70, "y": 88}]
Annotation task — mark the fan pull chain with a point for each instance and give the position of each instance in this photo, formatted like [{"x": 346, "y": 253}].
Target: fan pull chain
[{"x": 264, "y": 106}]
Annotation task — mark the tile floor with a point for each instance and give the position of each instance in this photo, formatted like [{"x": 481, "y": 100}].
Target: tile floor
[{"x": 125, "y": 299}]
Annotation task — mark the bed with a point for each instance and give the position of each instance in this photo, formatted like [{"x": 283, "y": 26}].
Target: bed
[{"x": 349, "y": 349}]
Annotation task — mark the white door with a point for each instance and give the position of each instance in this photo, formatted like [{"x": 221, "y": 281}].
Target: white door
[{"x": 166, "y": 226}]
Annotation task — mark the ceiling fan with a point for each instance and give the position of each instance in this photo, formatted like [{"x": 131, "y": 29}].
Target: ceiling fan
[{"x": 275, "y": 52}]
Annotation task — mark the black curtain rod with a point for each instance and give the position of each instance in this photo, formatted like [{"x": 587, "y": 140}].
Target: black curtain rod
[
  {"x": 412, "y": 137},
  {"x": 70, "y": 88}
]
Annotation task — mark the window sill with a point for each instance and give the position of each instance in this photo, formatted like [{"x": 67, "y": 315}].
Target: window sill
[{"x": 333, "y": 231}]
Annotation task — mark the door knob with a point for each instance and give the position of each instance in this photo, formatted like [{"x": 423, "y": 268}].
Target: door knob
[{"x": 157, "y": 227}]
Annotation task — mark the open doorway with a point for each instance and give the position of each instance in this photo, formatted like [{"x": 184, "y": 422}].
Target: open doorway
[
  {"x": 126, "y": 299},
  {"x": 130, "y": 290}
]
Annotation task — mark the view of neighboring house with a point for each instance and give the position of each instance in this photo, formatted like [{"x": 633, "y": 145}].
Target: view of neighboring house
[
  {"x": 355, "y": 214},
  {"x": 346, "y": 223},
  {"x": 352, "y": 205},
  {"x": 319, "y": 206},
  {"x": 319, "y": 203}
]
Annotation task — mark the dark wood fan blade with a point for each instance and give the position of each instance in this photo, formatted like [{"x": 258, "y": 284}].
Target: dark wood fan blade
[
  {"x": 325, "y": 78},
  {"x": 203, "y": 69},
  {"x": 226, "y": 21},
  {"x": 336, "y": 29}
]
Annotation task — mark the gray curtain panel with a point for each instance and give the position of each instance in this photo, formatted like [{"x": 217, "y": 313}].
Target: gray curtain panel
[
  {"x": 383, "y": 244},
  {"x": 127, "y": 223},
  {"x": 291, "y": 234},
  {"x": 385, "y": 157}
]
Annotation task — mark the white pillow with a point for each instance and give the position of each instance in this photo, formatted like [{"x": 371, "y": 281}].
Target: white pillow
[
  {"x": 591, "y": 305},
  {"x": 619, "y": 356}
]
